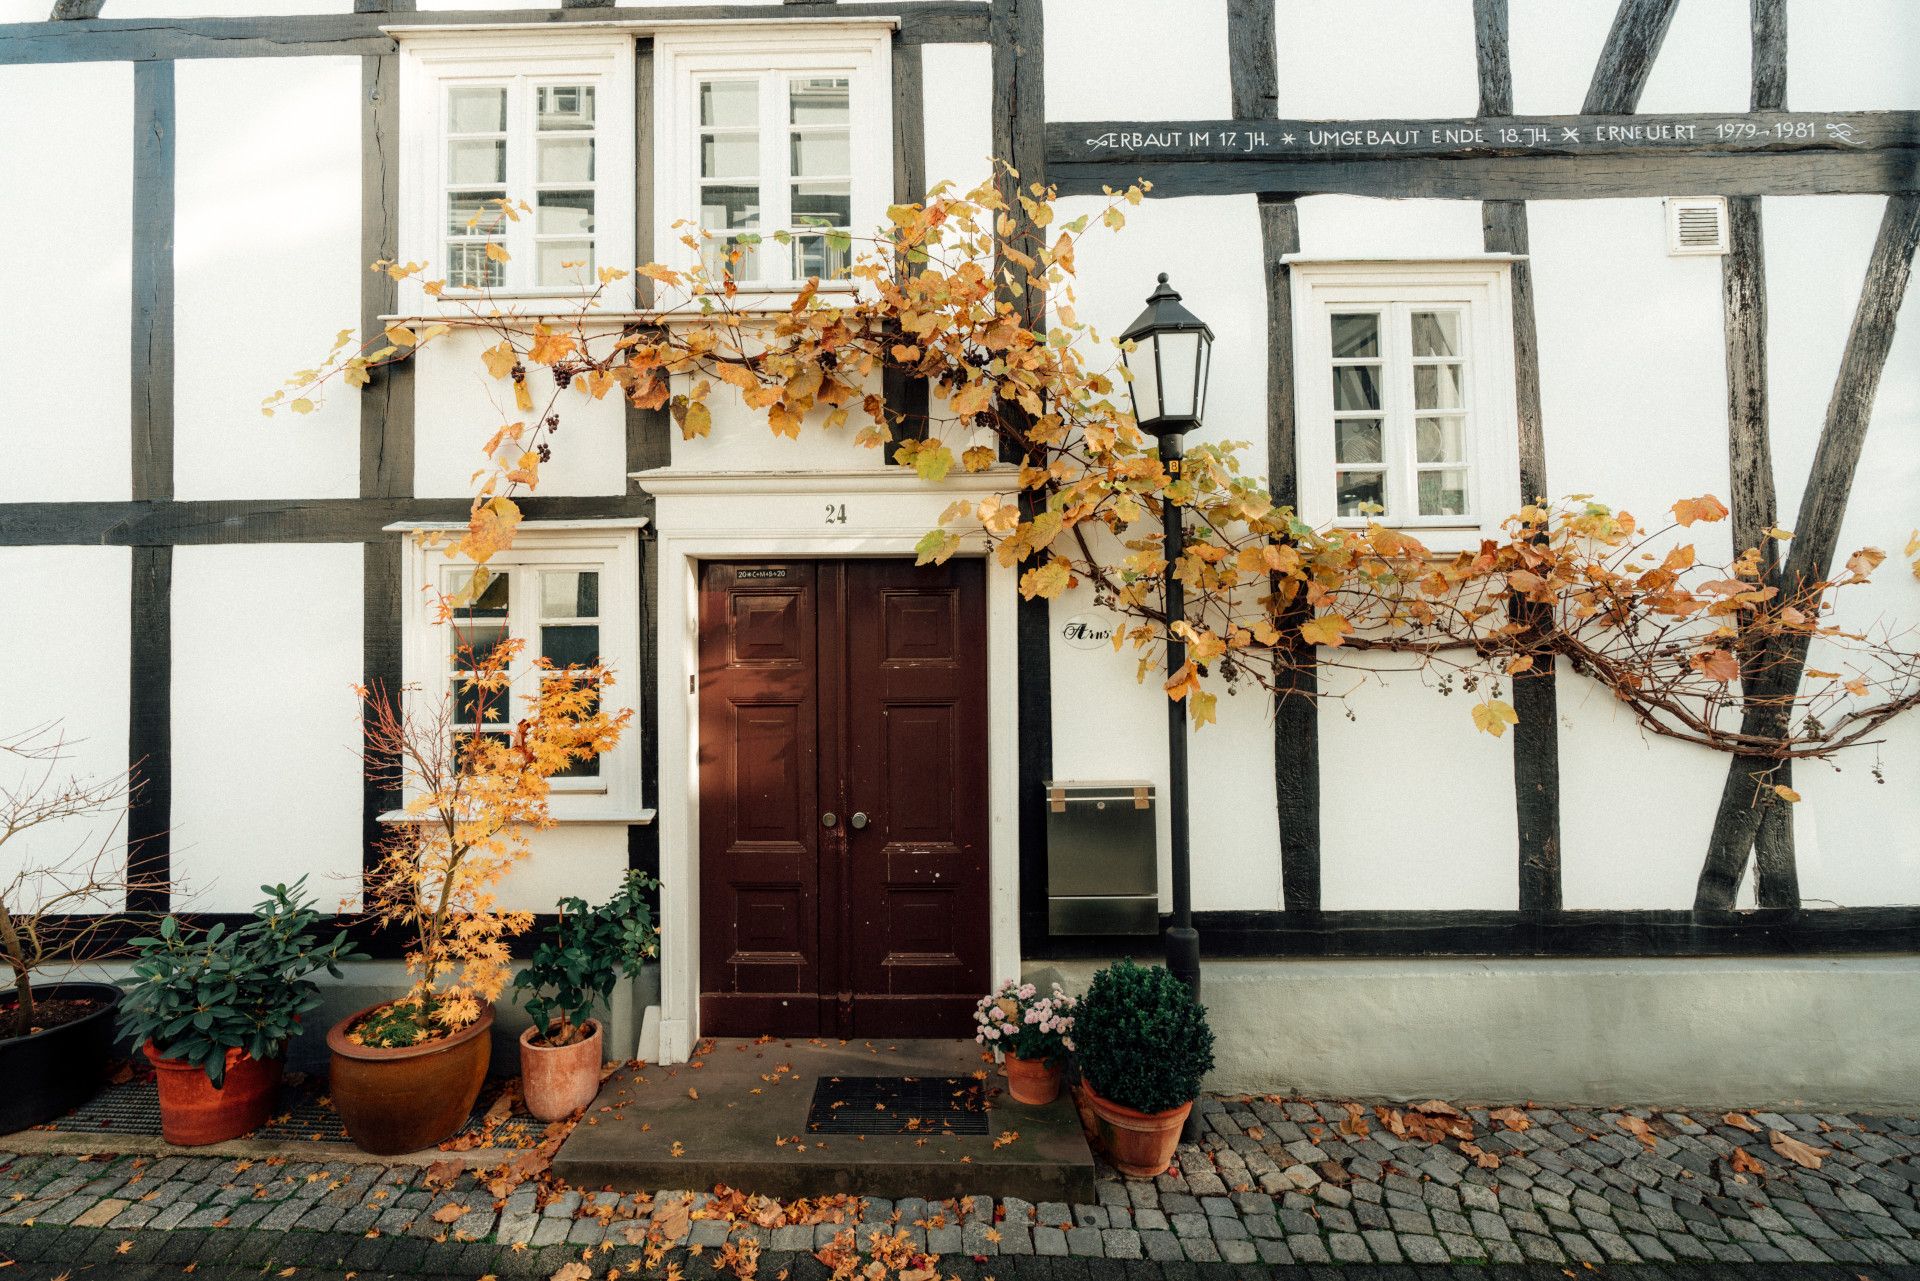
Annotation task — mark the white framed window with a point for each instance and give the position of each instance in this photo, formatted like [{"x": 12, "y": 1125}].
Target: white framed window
[
  {"x": 540, "y": 118},
  {"x": 760, "y": 136},
  {"x": 1405, "y": 396},
  {"x": 570, "y": 592}
]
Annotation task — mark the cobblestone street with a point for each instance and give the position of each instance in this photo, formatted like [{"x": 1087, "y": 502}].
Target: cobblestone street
[{"x": 1275, "y": 1185}]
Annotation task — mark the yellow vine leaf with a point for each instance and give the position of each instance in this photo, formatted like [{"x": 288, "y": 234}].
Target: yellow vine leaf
[
  {"x": 1327, "y": 629},
  {"x": 1493, "y": 717}
]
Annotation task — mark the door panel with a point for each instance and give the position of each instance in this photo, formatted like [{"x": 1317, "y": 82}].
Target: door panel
[
  {"x": 917, "y": 768},
  {"x": 842, "y": 687},
  {"x": 759, "y": 803}
]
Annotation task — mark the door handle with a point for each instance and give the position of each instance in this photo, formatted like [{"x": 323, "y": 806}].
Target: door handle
[
  {"x": 829, "y": 818},
  {"x": 859, "y": 818}
]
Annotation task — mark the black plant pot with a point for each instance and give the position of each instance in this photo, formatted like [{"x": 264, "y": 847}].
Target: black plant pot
[{"x": 52, "y": 1072}]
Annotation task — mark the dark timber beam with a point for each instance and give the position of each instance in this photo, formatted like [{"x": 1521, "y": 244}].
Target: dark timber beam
[
  {"x": 1769, "y": 55},
  {"x": 906, "y": 396},
  {"x": 1639, "y": 27},
  {"x": 200, "y": 523},
  {"x": 1536, "y": 737},
  {"x": 1747, "y": 795},
  {"x": 1254, "y": 87},
  {"x": 306, "y": 35}
]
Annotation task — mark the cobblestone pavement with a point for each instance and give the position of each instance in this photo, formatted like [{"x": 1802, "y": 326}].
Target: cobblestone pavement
[{"x": 1275, "y": 1187}]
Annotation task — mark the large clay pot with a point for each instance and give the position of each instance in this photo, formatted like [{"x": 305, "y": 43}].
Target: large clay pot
[
  {"x": 405, "y": 1099},
  {"x": 1032, "y": 1081},
  {"x": 559, "y": 1080},
  {"x": 51, "y": 1072},
  {"x": 193, "y": 1113},
  {"x": 1141, "y": 1145}
]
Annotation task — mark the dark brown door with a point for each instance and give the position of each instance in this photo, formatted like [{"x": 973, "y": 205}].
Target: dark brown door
[{"x": 842, "y": 797}]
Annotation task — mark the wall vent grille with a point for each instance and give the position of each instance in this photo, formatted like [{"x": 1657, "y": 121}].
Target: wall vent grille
[{"x": 1697, "y": 225}]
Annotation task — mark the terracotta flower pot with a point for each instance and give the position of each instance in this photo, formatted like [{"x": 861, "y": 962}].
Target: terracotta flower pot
[
  {"x": 193, "y": 1113},
  {"x": 1140, "y": 1144},
  {"x": 405, "y": 1099},
  {"x": 1032, "y": 1081},
  {"x": 559, "y": 1080}
]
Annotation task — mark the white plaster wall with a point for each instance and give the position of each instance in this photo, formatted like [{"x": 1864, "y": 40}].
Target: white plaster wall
[
  {"x": 1365, "y": 227},
  {"x": 50, "y": 677},
  {"x": 24, "y": 10},
  {"x": 1854, "y": 832},
  {"x": 1703, "y": 63},
  {"x": 1137, "y": 60},
  {"x": 267, "y": 199},
  {"x": 1553, "y": 46},
  {"x": 66, "y": 268},
  {"x": 1853, "y": 55},
  {"x": 1633, "y": 392},
  {"x": 1363, "y": 59},
  {"x": 458, "y": 406},
  {"x": 1805, "y": 1034},
  {"x": 741, "y": 440},
  {"x": 957, "y": 104},
  {"x": 584, "y": 859},
  {"x": 266, "y": 764}
]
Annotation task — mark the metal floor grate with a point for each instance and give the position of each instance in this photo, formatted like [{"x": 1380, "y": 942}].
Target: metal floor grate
[
  {"x": 133, "y": 1108},
  {"x": 935, "y": 1105}
]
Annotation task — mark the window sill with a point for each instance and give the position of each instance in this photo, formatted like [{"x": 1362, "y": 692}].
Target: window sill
[{"x": 642, "y": 817}]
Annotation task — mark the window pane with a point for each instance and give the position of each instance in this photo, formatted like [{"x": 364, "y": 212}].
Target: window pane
[
  {"x": 566, "y": 160},
  {"x": 730, "y": 102},
  {"x": 1443, "y": 493},
  {"x": 1436, "y": 333},
  {"x": 1440, "y": 440},
  {"x": 1357, "y": 441},
  {"x": 574, "y": 643},
  {"x": 726, "y": 207},
  {"x": 822, "y": 204},
  {"x": 495, "y": 590},
  {"x": 477, "y": 109},
  {"x": 720, "y": 258},
  {"x": 565, "y": 262},
  {"x": 818, "y": 102},
  {"x": 1436, "y": 386},
  {"x": 468, "y": 267},
  {"x": 565, "y": 106},
  {"x": 565, "y": 213},
  {"x": 1356, "y": 487},
  {"x": 813, "y": 256},
  {"x": 1356, "y": 335},
  {"x": 821, "y": 153},
  {"x": 570, "y": 594},
  {"x": 1356, "y": 387},
  {"x": 473, "y": 643},
  {"x": 473, "y": 213},
  {"x": 729, "y": 155},
  {"x": 474, "y": 705},
  {"x": 471, "y": 162}
]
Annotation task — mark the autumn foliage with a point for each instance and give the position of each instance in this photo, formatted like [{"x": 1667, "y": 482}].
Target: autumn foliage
[
  {"x": 942, "y": 295},
  {"x": 473, "y": 790}
]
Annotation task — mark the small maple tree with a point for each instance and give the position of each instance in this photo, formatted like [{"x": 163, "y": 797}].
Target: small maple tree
[{"x": 474, "y": 787}]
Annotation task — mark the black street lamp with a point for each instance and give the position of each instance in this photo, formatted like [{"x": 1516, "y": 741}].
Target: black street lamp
[{"x": 1169, "y": 363}]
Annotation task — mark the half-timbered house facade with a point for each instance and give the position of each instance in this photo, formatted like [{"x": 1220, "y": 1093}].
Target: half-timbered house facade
[{"x": 1457, "y": 254}]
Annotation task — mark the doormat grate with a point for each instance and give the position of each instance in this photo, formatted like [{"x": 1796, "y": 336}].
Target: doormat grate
[
  {"x": 133, "y": 1108},
  {"x": 934, "y": 1105}
]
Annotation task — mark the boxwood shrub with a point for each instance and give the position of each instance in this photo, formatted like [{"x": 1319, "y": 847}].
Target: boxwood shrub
[{"x": 1143, "y": 1040}]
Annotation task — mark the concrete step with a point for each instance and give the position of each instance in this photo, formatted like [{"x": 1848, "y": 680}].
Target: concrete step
[{"x": 738, "y": 1115}]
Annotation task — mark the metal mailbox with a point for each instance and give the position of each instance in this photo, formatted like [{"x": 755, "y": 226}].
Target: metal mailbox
[{"x": 1103, "y": 870}]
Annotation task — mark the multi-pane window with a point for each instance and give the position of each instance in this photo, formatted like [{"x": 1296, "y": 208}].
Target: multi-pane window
[
  {"x": 776, "y": 154},
  {"x": 1404, "y": 380},
  {"x": 553, "y": 609},
  {"x": 524, "y": 140},
  {"x": 1400, "y": 422}
]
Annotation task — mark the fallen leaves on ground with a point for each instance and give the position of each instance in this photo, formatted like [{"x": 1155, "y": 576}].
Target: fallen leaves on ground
[
  {"x": 1743, "y": 1163},
  {"x": 1742, "y": 1121},
  {"x": 451, "y": 1211},
  {"x": 1640, "y": 1130},
  {"x": 1802, "y": 1154}
]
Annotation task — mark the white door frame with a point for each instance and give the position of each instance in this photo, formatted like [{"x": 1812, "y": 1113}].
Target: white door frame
[{"x": 707, "y": 515}]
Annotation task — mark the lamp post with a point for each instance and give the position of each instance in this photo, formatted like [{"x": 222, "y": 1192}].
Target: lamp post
[{"x": 1169, "y": 364}]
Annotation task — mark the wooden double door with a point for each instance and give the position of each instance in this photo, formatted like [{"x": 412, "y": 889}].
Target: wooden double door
[{"x": 843, "y": 797}]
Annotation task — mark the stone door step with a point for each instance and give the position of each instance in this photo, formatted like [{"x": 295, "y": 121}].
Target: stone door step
[{"x": 739, "y": 1115}]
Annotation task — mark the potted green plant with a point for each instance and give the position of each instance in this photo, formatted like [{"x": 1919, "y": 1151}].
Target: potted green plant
[
  {"x": 1031, "y": 1034},
  {"x": 62, "y": 836},
  {"x": 580, "y": 957},
  {"x": 214, "y": 1012},
  {"x": 1144, "y": 1045},
  {"x": 405, "y": 1072}
]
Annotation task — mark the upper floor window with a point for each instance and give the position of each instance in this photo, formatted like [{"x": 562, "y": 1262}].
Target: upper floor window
[
  {"x": 762, "y": 137},
  {"x": 1406, "y": 398}
]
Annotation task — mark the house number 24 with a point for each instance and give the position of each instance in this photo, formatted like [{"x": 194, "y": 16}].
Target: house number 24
[{"x": 836, "y": 513}]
